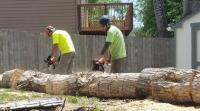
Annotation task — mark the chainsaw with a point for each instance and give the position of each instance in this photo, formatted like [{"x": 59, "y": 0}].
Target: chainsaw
[
  {"x": 50, "y": 64},
  {"x": 98, "y": 64}
]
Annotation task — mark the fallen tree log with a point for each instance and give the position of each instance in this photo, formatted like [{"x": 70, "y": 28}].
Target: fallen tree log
[
  {"x": 48, "y": 83},
  {"x": 110, "y": 85},
  {"x": 164, "y": 84},
  {"x": 47, "y": 104},
  {"x": 10, "y": 78},
  {"x": 175, "y": 86},
  {"x": 33, "y": 81},
  {"x": 61, "y": 84}
]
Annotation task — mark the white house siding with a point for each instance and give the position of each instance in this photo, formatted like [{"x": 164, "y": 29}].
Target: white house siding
[
  {"x": 198, "y": 48},
  {"x": 183, "y": 42},
  {"x": 34, "y": 15},
  {"x": 198, "y": 45}
]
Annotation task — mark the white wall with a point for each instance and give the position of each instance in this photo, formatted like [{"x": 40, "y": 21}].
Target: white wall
[{"x": 183, "y": 43}]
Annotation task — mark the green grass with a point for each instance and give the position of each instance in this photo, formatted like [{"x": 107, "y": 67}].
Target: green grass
[
  {"x": 7, "y": 95},
  {"x": 83, "y": 101},
  {"x": 13, "y": 95}
]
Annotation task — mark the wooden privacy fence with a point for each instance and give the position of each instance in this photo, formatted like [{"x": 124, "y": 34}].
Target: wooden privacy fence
[{"x": 28, "y": 50}]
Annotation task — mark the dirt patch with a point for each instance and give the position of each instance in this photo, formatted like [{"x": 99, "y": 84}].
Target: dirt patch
[
  {"x": 75, "y": 102},
  {"x": 134, "y": 105}
]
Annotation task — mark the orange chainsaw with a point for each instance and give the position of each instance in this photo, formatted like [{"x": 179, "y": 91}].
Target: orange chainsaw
[
  {"x": 98, "y": 64},
  {"x": 50, "y": 64}
]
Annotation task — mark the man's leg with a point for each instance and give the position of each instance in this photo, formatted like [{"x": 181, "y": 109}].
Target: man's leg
[
  {"x": 71, "y": 63},
  {"x": 117, "y": 66},
  {"x": 66, "y": 63}
]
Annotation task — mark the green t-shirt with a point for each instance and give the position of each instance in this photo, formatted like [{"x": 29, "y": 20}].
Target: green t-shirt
[
  {"x": 117, "y": 47},
  {"x": 64, "y": 41}
]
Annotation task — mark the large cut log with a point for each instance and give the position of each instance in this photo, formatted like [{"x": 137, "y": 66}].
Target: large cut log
[
  {"x": 10, "y": 78},
  {"x": 61, "y": 84},
  {"x": 168, "y": 74},
  {"x": 175, "y": 86},
  {"x": 171, "y": 92},
  {"x": 52, "y": 84},
  {"x": 33, "y": 81},
  {"x": 121, "y": 85},
  {"x": 150, "y": 76},
  {"x": 165, "y": 84},
  {"x": 195, "y": 89}
]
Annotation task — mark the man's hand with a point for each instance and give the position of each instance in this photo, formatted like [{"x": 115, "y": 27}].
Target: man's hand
[
  {"x": 101, "y": 59},
  {"x": 53, "y": 59},
  {"x": 49, "y": 61}
]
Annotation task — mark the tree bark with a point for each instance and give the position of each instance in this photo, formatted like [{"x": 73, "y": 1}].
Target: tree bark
[
  {"x": 190, "y": 6},
  {"x": 164, "y": 84},
  {"x": 186, "y": 9},
  {"x": 161, "y": 20}
]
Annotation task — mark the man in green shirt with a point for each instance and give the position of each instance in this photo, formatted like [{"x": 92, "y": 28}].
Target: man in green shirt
[
  {"x": 116, "y": 45},
  {"x": 61, "y": 42}
]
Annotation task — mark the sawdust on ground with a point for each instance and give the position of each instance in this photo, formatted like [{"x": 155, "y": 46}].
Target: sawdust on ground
[{"x": 136, "y": 105}]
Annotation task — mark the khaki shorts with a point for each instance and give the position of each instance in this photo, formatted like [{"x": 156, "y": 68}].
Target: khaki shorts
[
  {"x": 66, "y": 64},
  {"x": 118, "y": 65}
]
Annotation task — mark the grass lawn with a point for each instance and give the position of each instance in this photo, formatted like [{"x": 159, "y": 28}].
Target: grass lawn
[{"x": 74, "y": 102}]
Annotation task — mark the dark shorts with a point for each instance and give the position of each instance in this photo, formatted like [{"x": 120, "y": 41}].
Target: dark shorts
[
  {"x": 66, "y": 64},
  {"x": 118, "y": 65}
]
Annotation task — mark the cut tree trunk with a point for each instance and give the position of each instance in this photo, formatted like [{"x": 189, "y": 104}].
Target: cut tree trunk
[
  {"x": 161, "y": 20},
  {"x": 164, "y": 84},
  {"x": 190, "y": 7},
  {"x": 9, "y": 78},
  {"x": 110, "y": 85}
]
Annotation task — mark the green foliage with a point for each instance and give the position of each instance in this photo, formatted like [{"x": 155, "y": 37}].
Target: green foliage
[
  {"x": 148, "y": 19},
  {"x": 104, "y": 1},
  {"x": 72, "y": 99},
  {"x": 92, "y": 1},
  {"x": 83, "y": 101},
  {"x": 109, "y": 1},
  {"x": 13, "y": 95},
  {"x": 140, "y": 32},
  {"x": 146, "y": 14},
  {"x": 96, "y": 12},
  {"x": 174, "y": 10}
]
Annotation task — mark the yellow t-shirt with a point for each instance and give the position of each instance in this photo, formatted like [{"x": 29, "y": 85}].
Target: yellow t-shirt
[
  {"x": 64, "y": 41},
  {"x": 117, "y": 48}
]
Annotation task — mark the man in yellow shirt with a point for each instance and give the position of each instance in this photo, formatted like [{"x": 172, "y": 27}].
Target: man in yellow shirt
[
  {"x": 61, "y": 42},
  {"x": 115, "y": 44}
]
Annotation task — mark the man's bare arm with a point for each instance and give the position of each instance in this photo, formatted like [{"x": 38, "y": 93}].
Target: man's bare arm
[
  {"x": 105, "y": 48},
  {"x": 54, "y": 52}
]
